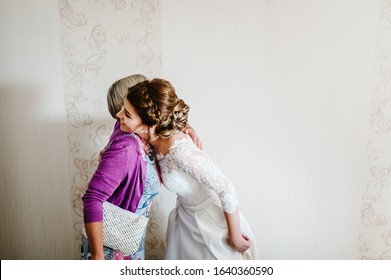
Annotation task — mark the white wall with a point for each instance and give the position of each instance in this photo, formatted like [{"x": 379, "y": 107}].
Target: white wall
[
  {"x": 290, "y": 98},
  {"x": 279, "y": 93}
]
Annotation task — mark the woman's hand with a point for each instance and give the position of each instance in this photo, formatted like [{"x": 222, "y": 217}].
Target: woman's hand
[
  {"x": 193, "y": 135},
  {"x": 240, "y": 244},
  {"x": 236, "y": 239}
]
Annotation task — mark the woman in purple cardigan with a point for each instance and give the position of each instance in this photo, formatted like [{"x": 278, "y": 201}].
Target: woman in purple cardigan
[{"x": 126, "y": 176}]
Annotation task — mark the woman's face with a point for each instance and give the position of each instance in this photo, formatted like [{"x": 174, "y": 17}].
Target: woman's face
[{"x": 130, "y": 121}]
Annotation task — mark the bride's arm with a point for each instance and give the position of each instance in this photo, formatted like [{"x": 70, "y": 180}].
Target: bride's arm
[{"x": 237, "y": 240}]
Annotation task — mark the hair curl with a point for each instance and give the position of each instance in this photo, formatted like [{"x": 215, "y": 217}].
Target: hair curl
[{"x": 157, "y": 104}]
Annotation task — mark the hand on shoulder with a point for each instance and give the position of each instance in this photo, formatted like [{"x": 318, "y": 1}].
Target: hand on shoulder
[{"x": 193, "y": 135}]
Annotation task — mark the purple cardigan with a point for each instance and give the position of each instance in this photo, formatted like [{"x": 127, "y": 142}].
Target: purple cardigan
[{"x": 119, "y": 178}]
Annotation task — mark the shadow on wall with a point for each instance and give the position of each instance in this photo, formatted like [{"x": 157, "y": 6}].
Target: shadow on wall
[{"x": 35, "y": 204}]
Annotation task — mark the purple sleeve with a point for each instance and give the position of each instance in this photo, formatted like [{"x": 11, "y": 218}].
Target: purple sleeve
[{"x": 111, "y": 171}]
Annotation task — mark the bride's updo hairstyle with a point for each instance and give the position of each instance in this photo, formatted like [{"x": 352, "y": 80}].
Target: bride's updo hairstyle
[{"x": 157, "y": 104}]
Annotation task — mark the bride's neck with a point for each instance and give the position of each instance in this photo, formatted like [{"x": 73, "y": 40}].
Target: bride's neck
[{"x": 162, "y": 145}]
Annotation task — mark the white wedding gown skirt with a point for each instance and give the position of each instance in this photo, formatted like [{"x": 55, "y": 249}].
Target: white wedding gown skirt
[{"x": 201, "y": 234}]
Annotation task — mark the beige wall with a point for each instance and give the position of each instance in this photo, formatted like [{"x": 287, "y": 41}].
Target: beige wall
[{"x": 290, "y": 98}]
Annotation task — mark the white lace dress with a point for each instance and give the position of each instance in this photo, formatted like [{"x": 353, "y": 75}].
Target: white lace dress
[{"x": 196, "y": 227}]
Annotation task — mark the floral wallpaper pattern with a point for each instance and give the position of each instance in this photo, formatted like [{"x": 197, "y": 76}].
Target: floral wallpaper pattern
[
  {"x": 103, "y": 41},
  {"x": 375, "y": 236}
]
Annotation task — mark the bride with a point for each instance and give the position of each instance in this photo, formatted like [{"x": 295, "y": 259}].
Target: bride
[{"x": 206, "y": 222}]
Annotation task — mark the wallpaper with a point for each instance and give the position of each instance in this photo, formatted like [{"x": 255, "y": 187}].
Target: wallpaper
[
  {"x": 103, "y": 41},
  {"x": 375, "y": 236}
]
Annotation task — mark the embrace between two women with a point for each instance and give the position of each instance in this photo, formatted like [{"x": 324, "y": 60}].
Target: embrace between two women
[{"x": 206, "y": 222}]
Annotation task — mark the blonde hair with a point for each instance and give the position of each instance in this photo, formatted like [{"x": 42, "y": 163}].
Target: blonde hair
[
  {"x": 157, "y": 104},
  {"x": 118, "y": 90}
]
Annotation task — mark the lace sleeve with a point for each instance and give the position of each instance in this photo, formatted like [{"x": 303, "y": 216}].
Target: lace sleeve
[{"x": 195, "y": 162}]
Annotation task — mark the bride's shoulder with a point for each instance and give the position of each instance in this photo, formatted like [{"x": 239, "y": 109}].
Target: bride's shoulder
[
  {"x": 180, "y": 140},
  {"x": 184, "y": 146},
  {"x": 178, "y": 144}
]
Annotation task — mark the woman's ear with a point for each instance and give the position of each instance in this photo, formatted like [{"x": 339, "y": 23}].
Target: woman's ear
[{"x": 151, "y": 132}]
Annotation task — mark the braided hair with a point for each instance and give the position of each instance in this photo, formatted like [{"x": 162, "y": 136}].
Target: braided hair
[{"x": 157, "y": 104}]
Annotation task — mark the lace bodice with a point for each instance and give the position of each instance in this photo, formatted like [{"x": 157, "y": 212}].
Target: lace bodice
[{"x": 191, "y": 174}]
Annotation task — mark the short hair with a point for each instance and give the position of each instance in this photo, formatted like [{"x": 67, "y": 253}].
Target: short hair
[{"x": 118, "y": 90}]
